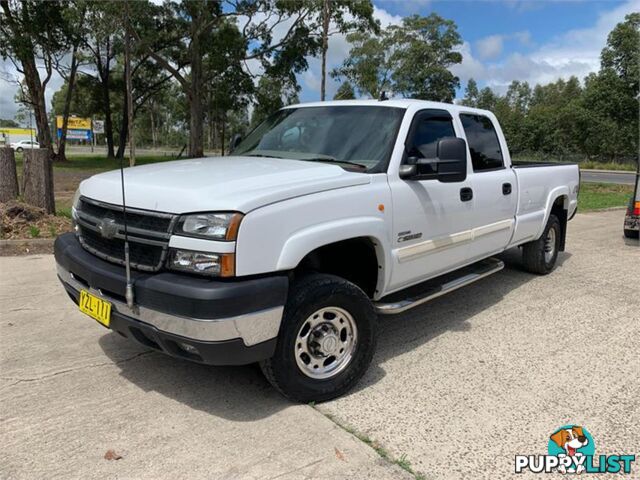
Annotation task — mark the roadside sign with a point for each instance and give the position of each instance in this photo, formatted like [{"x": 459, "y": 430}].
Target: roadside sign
[
  {"x": 74, "y": 123},
  {"x": 77, "y": 128},
  {"x": 98, "y": 126}
]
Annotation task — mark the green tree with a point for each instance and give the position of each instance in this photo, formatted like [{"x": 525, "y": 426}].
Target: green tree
[
  {"x": 368, "y": 66},
  {"x": 344, "y": 16},
  {"x": 424, "y": 50},
  {"x": 622, "y": 53},
  {"x": 272, "y": 94},
  {"x": 345, "y": 92},
  {"x": 33, "y": 32},
  {"x": 412, "y": 59},
  {"x": 471, "y": 94},
  {"x": 7, "y": 123},
  {"x": 185, "y": 35}
]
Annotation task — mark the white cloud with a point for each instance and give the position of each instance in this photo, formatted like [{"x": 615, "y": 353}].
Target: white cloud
[
  {"x": 490, "y": 47},
  {"x": 575, "y": 52}
]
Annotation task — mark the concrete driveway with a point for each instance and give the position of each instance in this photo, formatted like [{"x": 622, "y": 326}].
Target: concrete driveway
[{"x": 458, "y": 387}]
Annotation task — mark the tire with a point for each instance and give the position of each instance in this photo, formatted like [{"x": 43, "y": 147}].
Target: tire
[
  {"x": 19, "y": 149},
  {"x": 537, "y": 256},
  {"x": 315, "y": 301},
  {"x": 631, "y": 233}
]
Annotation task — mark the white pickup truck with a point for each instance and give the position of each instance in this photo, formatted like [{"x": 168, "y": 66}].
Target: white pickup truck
[{"x": 324, "y": 216}]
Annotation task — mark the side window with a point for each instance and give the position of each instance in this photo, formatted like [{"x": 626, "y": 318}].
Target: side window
[
  {"x": 430, "y": 128},
  {"x": 483, "y": 142}
]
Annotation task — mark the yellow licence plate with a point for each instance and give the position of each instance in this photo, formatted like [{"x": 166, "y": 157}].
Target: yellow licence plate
[{"x": 95, "y": 307}]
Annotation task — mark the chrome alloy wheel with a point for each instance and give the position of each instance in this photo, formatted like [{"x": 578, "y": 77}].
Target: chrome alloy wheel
[
  {"x": 550, "y": 245},
  {"x": 326, "y": 342}
]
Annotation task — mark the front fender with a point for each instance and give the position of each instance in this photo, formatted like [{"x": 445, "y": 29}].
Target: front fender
[{"x": 308, "y": 239}]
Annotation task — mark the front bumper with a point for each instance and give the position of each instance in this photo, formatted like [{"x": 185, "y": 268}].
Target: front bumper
[{"x": 208, "y": 321}]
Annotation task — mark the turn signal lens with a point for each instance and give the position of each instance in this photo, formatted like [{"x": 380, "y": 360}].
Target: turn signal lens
[{"x": 636, "y": 208}]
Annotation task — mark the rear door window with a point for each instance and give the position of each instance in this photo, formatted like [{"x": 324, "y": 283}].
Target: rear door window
[{"x": 482, "y": 138}]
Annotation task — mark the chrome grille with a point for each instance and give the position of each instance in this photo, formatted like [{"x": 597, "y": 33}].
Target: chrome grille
[{"x": 101, "y": 232}]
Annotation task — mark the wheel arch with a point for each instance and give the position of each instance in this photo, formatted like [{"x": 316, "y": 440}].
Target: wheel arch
[{"x": 352, "y": 249}]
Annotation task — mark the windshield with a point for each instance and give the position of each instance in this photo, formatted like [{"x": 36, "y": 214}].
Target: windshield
[{"x": 358, "y": 138}]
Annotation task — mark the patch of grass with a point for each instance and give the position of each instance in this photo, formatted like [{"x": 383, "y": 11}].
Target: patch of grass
[
  {"x": 53, "y": 231},
  {"x": 594, "y": 165},
  {"x": 595, "y": 196},
  {"x": 34, "y": 231},
  {"x": 98, "y": 163},
  {"x": 64, "y": 212},
  {"x": 402, "y": 462}
]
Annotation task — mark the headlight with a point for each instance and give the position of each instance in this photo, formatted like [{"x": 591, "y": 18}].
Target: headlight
[
  {"x": 213, "y": 226},
  {"x": 203, "y": 263}
]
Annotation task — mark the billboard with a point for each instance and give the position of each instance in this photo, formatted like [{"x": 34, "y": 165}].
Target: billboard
[
  {"x": 74, "y": 123},
  {"x": 77, "y": 128}
]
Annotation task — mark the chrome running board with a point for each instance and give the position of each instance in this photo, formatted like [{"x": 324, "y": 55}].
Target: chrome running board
[{"x": 422, "y": 293}]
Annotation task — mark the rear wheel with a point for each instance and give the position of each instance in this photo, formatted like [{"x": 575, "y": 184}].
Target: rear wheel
[
  {"x": 326, "y": 342},
  {"x": 540, "y": 255},
  {"x": 19, "y": 149}
]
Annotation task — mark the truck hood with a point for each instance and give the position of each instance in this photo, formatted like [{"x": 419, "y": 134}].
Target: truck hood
[{"x": 217, "y": 183}]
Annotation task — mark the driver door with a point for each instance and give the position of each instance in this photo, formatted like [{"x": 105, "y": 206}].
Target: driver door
[{"x": 431, "y": 219}]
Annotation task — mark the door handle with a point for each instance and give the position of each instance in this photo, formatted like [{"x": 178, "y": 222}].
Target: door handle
[
  {"x": 506, "y": 188},
  {"x": 466, "y": 194}
]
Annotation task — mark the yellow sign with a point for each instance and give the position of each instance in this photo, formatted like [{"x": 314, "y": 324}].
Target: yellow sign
[
  {"x": 18, "y": 131},
  {"x": 74, "y": 123}
]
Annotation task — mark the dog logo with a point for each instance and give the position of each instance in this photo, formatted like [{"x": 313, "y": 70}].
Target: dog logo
[{"x": 573, "y": 441}]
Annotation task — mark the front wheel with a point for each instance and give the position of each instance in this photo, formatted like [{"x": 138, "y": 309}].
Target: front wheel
[
  {"x": 631, "y": 233},
  {"x": 326, "y": 341},
  {"x": 540, "y": 255}
]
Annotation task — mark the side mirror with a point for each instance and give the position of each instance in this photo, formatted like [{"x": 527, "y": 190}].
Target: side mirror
[
  {"x": 452, "y": 160},
  {"x": 449, "y": 165},
  {"x": 235, "y": 141}
]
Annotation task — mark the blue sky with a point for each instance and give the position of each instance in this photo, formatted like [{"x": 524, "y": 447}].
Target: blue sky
[{"x": 536, "y": 41}]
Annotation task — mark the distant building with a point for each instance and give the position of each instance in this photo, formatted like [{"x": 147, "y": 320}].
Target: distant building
[{"x": 12, "y": 135}]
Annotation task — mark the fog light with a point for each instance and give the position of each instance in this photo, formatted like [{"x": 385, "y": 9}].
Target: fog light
[{"x": 203, "y": 263}]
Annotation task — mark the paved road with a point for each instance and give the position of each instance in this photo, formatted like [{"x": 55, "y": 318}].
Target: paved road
[
  {"x": 624, "y": 178},
  {"x": 457, "y": 388}
]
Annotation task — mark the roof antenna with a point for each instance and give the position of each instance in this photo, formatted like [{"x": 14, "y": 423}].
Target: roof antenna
[{"x": 383, "y": 96}]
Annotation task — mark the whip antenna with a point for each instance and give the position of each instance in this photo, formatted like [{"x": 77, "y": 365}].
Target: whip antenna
[
  {"x": 127, "y": 66},
  {"x": 129, "y": 288}
]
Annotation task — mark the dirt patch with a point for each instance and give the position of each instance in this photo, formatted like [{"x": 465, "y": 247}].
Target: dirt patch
[{"x": 20, "y": 221}]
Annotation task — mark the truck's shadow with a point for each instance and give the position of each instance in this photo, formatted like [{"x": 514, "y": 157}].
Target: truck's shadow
[{"x": 242, "y": 393}]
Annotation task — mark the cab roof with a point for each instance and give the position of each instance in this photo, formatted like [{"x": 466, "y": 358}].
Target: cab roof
[{"x": 403, "y": 103}]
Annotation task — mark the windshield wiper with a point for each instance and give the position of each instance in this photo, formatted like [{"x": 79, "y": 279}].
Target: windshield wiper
[{"x": 334, "y": 160}]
